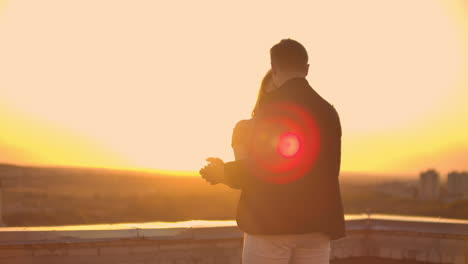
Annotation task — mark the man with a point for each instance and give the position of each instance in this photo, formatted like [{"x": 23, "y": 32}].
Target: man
[{"x": 290, "y": 206}]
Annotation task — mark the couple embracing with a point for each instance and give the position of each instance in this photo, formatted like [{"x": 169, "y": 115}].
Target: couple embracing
[{"x": 287, "y": 163}]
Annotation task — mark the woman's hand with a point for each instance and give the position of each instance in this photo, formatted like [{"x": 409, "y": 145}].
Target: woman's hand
[{"x": 214, "y": 171}]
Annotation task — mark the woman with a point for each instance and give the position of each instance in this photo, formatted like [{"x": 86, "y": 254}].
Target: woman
[{"x": 242, "y": 133}]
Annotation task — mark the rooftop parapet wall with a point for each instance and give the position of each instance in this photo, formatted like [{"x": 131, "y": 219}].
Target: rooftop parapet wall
[{"x": 429, "y": 240}]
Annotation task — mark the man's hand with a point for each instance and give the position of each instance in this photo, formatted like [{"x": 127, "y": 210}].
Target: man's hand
[{"x": 214, "y": 171}]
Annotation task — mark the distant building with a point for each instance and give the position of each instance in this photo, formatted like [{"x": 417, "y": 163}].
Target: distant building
[
  {"x": 429, "y": 186},
  {"x": 401, "y": 189},
  {"x": 457, "y": 185}
]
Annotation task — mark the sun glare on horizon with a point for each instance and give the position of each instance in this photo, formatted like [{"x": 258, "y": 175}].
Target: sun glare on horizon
[{"x": 154, "y": 86}]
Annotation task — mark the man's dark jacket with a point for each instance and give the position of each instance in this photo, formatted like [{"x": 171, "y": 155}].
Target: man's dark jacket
[{"x": 311, "y": 203}]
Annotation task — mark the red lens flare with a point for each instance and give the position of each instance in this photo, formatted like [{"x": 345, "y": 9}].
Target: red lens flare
[{"x": 288, "y": 145}]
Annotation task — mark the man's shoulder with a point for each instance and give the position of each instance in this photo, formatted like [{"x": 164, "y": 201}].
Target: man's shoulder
[
  {"x": 314, "y": 99},
  {"x": 321, "y": 106},
  {"x": 299, "y": 91}
]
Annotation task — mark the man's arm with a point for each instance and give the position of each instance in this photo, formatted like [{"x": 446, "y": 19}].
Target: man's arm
[
  {"x": 236, "y": 173},
  {"x": 232, "y": 173}
]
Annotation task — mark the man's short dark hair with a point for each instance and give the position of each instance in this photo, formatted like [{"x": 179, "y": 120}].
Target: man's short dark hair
[{"x": 289, "y": 54}]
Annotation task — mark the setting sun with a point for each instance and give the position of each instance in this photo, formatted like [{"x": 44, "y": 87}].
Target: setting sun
[{"x": 160, "y": 85}]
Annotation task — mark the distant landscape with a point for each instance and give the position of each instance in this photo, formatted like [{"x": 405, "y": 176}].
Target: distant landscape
[{"x": 33, "y": 196}]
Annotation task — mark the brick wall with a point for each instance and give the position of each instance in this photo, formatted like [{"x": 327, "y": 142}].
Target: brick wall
[{"x": 129, "y": 251}]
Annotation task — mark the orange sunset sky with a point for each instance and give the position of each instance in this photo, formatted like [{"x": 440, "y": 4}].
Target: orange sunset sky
[{"x": 160, "y": 84}]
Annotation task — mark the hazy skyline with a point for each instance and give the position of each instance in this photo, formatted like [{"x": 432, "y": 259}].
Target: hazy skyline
[{"x": 143, "y": 84}]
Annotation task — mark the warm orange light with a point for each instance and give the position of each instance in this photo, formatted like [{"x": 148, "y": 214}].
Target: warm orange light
[{"x": 164, "y": 87}]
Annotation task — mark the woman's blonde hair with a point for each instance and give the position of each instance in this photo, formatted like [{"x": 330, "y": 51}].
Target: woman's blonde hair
[{"x": 267, "y": 80}]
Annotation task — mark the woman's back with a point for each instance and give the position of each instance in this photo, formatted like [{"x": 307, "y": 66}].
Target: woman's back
[{"x": 241, "y": 137}]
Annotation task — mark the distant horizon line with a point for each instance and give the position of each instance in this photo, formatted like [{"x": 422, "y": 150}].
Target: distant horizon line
[{"x": 167, "y": 172}]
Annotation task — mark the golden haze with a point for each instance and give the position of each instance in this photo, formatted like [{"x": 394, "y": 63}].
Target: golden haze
[{"x": 153, "y": 85}]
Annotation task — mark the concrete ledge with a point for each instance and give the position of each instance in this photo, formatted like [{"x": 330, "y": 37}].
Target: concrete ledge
[
  {"x": 198, "y": 230},
  {"x": 430, "y": 240},
  {"x": 208, "y": 230}
]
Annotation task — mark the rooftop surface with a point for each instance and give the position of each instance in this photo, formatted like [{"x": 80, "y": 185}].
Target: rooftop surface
[
  {"x": 218, "y": 229},
  {"x": 222, "y": 223}
]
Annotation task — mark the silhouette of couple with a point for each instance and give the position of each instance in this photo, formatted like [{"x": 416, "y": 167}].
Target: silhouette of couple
[{"x": 287, "y": 162}]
